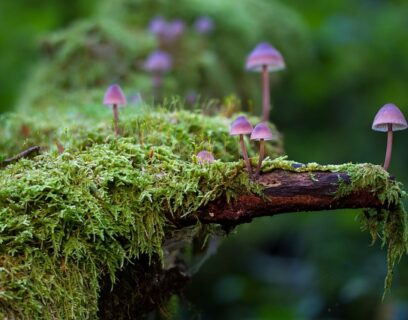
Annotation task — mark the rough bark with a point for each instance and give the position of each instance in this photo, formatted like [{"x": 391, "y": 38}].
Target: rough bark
[{"x": 285, "y": 192}]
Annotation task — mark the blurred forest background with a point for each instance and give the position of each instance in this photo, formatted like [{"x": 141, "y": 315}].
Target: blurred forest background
[{"x": 345, "y": 59}]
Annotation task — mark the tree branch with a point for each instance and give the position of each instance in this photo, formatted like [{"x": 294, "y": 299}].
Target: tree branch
[
  {"x": 287, "y": 191},
  {"x": 24, "y": 154}
]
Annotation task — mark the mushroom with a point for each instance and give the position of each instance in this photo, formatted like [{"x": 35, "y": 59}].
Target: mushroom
[
  {"x": 204, "y": 25},
  {"x": 205, "y": 157},
  {"x": 265, "y": 58},
  {"x": 261, "y": 133},
  {"x": 157, "y": 64},
  {"x": 157, "y": 26},
  {"x": 114, "y": 96},
  {"x": 174, "y": 30},
  {"x": 388, "y": 119},
  {"x": 240, "y": 127}
]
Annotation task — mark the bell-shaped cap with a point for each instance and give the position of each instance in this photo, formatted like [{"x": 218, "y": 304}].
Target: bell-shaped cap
[
  {"x": 389, "y": 114},
  {"x": 158, "y": 25},
  {"x": 265, "y": 55},
  {"x": 241, "y": 125},
  {"x": 261, "y": 132},
  {"x": 114, "y": 95},
  {"x": 158, "y": 62},
  {"x": 204, "y": 25},
  {"x": 174, "y": 30},
  {"x": 205, "y": 157}
]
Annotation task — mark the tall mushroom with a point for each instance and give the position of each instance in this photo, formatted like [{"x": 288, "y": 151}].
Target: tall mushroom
[
  {"x": 388, "y": 119},
  {"x": 158, "y": 63},
  {"x": 240, "y": 127},
  {"x": 265, "y": 58},
  {"x": 114, "y": 96},
  {"x": 261, "y": 133}
]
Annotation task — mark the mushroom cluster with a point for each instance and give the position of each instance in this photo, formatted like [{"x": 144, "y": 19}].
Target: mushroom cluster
[{"x": 241, "y": 126}]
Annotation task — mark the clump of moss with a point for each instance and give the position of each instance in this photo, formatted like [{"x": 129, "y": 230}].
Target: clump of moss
[
  {"x": 182, "y": 131},
  {"x": 68, "y": 218}
]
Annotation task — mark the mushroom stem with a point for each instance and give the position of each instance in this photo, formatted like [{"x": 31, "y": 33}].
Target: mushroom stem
[
  {"x": 265, "y": 93},
  {"x": 245, "y": 154},
  {"x": 157, "y": 82},
  {"x": 116, "y": 119},
  {"x": 261, "y": 156},
  {"x": 389, "y": 148}
]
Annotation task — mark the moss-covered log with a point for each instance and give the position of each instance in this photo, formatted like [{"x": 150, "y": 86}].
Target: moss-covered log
[{"x": 100, "y": 229}]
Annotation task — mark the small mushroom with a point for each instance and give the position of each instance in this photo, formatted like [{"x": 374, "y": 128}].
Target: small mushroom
[
  {"x": 114, "y": 96},
  {"x": 388, "y": 119},
  {"x": 265, "y": 58},
  {"x": 204, "y": 25},
  {"x": 240, "y": 127},
  {"x": 158, "y": 63},
  {"x": 157, "y": 26},
  {"x": 174, "y": 30},
  {"x": 261, "y": 133},
  {"x": 205, "y": 157}
]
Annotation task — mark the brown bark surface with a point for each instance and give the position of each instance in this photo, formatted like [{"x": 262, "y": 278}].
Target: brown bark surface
[{"x": 285, "y": 192}]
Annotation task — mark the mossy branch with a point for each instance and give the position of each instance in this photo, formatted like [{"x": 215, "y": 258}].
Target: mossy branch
[
  {"x": 102, "y": 213},
  {"x": 286, "y": 191}
]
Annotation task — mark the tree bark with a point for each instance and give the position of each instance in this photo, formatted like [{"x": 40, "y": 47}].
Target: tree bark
[{"x": 286, "y": 192}]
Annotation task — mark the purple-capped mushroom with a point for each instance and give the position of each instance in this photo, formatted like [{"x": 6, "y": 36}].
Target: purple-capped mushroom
[
  {"x": 242, "y": 126},
  {"x": 114, "y": 96},
  {"x": 261, "y": 133},
  {"x": 205, "y": 157},
  {"x": 388, "y": 119},
  {"x": 174, "y": 30},
  {"x": 158, "y": 63},
  {"x": 265, "y": 58},
  {"x": 157, "y": 26},
  {"x": 204, "y": 25}
]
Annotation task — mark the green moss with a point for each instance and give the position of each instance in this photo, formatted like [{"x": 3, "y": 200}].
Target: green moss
[{"x": 66, "y": 219}]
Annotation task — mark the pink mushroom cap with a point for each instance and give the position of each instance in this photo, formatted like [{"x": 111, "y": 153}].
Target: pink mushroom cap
[
  {"x": 157, "y": 25},
  {"x": 158, "y": 61},
  {"x": 261, "y": 132},
  {"x": 265, "y": 55},
  {"x": 114, "y": 95},
  {"x": 241, "y": 125},
  {"x": 389, "y": 114},
  {"x": 205, "y": 157}
]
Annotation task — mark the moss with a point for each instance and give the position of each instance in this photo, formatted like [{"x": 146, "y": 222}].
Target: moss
[{"x": 68, "y": 219}]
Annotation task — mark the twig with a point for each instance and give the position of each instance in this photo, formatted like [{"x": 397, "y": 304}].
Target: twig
[{"x": 24, "y": 154}]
